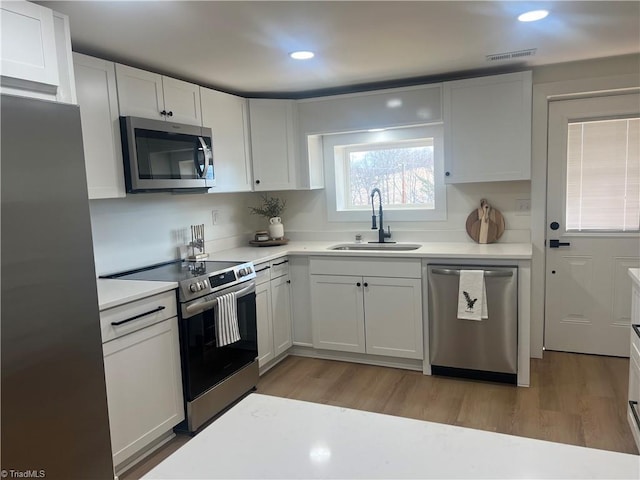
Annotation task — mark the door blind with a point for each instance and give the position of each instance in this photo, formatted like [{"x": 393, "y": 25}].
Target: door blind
[{"x": 603, "y": 175}]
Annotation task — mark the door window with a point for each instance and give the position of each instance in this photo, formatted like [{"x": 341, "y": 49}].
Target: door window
[{"x": 603, "y": 175}]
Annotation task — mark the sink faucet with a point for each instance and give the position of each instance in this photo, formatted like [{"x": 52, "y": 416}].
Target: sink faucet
[{"x": 381, "y": 233}]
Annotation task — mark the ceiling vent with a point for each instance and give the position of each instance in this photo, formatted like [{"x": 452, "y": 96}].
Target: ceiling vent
[{"x": 496, "y": 57}]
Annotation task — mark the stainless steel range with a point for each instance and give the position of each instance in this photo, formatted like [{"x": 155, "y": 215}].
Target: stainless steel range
[{"x": 213, "y": 376}]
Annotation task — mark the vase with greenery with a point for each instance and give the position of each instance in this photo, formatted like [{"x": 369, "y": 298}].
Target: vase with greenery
[{"x": 272, "y": 208}]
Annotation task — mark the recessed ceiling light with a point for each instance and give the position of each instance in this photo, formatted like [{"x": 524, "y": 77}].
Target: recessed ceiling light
[
  {"x": 533, "y": 15},
  {"x": 302, "y": 55}
]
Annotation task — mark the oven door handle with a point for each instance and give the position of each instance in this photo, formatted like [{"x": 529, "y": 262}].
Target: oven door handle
[{"x": 201, "y": 306}]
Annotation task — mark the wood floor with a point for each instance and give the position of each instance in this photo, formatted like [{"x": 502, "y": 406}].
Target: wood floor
[{"x": 575, "y": 399}]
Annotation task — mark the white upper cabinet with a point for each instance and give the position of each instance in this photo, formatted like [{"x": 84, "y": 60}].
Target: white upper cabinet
[
  {"x": 35, "y": 52},
  {"x": 182, "y": 101},
  {"x": 273, "y": 144},
  {"x": 227, "y": 117},
  {"x": 487, "y": 128},
  {"x": 95, "y": 81},
  {"x": 149, "y": 95}
]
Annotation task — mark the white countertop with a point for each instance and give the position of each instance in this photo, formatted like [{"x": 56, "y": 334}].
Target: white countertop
[
  {"x": 113, "y": 292},
  {"x": 493, "y": 251},
  {"x": 634, "y": 273},
  {"x": 271, "y": 437}
]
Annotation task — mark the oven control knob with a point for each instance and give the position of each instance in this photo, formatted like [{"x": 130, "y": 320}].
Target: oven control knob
[
  {"x": 205, "y": 283},
  {"x": 199, "y": 285},
  {"x": 193, "y": 287},
  {"x": 242, "y": 272}
]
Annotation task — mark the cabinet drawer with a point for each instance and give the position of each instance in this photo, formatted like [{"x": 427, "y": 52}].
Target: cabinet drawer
[
  {"x": 137, "y": 315},
  {"x": 262, "y": 272},
  {"x": 279, "y": 267}
]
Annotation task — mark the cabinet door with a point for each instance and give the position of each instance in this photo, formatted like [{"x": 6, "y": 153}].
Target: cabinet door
[
  {"x": 28, "y": 58},
  {"x": 98, "y": 99},
  {"x": 272, "y": 144},
  {"x": 144, "y": 387},
  {"x": 139, "y": 93},
  {"x": 393, "y": 316},
  {"x": 281, "y": 305},
  {"x": 264, "y": 321},
  {"x": 487, "y": 128},
  {"x": 182, "y": 101},
  {"x": 226, "y": 116},
  {"x": 337, "y": 313},
  {"x": 67, "y": 87}
]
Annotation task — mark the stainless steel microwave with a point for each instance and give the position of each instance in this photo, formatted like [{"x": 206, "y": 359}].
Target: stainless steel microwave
[{"x": 165, "y": 156}]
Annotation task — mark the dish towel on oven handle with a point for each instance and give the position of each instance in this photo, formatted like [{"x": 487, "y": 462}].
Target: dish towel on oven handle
[
  {"x": 226, "y": 316},
  {"x": 472, "y": 296}
]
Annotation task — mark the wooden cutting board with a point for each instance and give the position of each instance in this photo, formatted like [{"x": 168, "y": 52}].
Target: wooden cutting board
[{"x": 485, "y": 224}]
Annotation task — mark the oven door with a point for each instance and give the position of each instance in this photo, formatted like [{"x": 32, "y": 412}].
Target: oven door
[{"x": 204, "y": 364}]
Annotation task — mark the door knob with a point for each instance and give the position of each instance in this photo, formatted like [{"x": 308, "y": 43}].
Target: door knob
[{"x": 558, "y": 243}]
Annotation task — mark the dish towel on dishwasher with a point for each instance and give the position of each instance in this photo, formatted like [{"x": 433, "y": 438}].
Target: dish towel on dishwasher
[
  {"x": 472, "y": 296},
  {"x": 227, "y": 330}
]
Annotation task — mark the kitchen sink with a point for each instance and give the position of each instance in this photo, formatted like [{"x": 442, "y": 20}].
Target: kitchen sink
[{"x": 396, "y": 247}]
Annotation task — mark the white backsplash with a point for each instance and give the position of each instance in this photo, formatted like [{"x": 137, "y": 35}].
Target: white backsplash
[
  {"x": 306, "y": 216},
  {"x": 144, "y": 229},
  {"x": 147, "y": 228}
]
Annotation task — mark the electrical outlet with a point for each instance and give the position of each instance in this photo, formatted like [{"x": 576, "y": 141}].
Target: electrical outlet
[
  {"x": 214, "y": 217},
  {"x": 523, "y": 206}
]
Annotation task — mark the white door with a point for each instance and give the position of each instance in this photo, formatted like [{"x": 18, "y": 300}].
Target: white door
[
  {"x": 182, "y": 101},
  {"x": 139, "y": 93},
  {"x": 393, "y": 316},
  {"x": 281, "y": 304},
  {"x": 264, "y": 322},
  {"x": 272, "y": 144},
  {"x": 593, "y": 206},
  {"x": 337, "y": 313}
]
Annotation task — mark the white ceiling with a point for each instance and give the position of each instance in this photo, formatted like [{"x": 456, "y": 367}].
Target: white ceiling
[{"x": 242, "y": 47}]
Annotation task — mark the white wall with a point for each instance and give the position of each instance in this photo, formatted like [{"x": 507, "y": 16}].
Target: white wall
[
  {"x": 306, "y": 215},
  {"x": 147, "y": 228}
]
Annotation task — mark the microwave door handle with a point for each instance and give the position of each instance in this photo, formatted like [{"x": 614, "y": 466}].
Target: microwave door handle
[{"x": 207, "y": 157}]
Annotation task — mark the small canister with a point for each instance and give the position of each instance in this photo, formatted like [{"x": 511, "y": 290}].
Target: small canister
[{"x": 262, "y": 236}]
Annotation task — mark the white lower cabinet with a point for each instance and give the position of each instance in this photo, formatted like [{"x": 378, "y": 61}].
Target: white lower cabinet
[
  {"x": 142, "y": 374},
  {"x": 273, "y": 310},
  {"x": 379, "y": 315}
]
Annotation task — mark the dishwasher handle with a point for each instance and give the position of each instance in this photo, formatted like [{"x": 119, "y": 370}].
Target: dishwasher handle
[{"x": 487, "y": 273}]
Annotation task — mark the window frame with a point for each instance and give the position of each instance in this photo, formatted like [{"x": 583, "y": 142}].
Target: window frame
[{"x": 334, "y": 171}]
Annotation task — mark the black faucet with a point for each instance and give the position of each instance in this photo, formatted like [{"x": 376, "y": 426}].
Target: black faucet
[{"x": 381, "y": 233}]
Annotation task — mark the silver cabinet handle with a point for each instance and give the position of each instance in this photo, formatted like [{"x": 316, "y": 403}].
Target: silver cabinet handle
[
  {"x": 487, "y": 273},
  {"x": 135, "y": 317},
  {"x": 281, "y": 263}
]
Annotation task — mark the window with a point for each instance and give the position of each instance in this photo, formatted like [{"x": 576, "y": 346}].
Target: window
[
  {"x": 603, "y": 175},
  {"x": 405, "y": 164}
]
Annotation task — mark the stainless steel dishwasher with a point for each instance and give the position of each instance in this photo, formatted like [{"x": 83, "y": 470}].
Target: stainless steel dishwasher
[{"x": 486, "y": 349}]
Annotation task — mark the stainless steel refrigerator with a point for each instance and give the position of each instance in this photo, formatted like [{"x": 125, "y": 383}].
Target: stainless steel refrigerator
[{"x": 53, "y": 396}]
